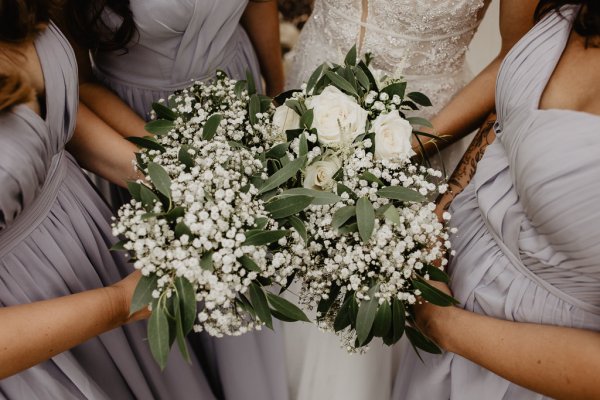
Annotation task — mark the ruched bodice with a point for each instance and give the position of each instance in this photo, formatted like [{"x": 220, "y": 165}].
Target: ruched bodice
[
  {"x": 176, "y": 42},
  {"x": 32, "y": 146},
  {"x": 528, "y": 242},
  {"x": 54, "y": 241}
]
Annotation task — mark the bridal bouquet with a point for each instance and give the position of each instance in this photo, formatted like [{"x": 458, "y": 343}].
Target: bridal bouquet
[
  {"x": 370, "y": 229},
  {"x": 197, "y": 228}
]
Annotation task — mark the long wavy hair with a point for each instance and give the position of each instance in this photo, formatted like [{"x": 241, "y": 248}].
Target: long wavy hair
[
  {"x": 587, "y": 22},
  {"x": 21, "y": 20},
  {"x": 86, "y": 22}
]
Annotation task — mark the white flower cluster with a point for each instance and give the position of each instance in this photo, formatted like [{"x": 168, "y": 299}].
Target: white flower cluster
[
  {"x": 224, "y": 96},
  {"x": 398, "y": 251},
  {"x": 199, "y": 231},
  {"x": 358, "y": 143}
]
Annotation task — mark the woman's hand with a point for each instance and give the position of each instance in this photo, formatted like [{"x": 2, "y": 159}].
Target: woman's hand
[
  {"x": 126, "y": 288},
  {"x": 431, "y": 319}
]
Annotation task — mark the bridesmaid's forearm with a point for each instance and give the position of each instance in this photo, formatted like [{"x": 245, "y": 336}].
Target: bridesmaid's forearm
[
  {"x": 112, "y": 110},
  {"x": 101, "y": 150},
  {"x": 261, "y": 21},
  {"x": 562, "y": 363},
  {"x": 33, "y": 333}
]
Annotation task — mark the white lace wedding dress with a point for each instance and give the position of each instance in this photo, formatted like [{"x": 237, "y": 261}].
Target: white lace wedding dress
[{"x": 424, "y": 41}]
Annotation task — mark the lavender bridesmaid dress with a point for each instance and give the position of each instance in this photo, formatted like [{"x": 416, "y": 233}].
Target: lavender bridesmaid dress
[
  {"x": 528, "y": 241},
  {"x": 179, "y": 42},
  {"x": 54, "y": 240}
]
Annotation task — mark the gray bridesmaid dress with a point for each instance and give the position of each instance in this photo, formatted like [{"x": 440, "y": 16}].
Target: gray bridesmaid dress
[
  {"x": 54, "y": 240},
  {"x": 179, "y": 42},
  {"x": 528, "y": 241}
]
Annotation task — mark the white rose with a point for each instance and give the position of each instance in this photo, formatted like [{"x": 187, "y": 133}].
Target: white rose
[
  {"x": 392, "y": 137},
  {"x": 285, "y": 118},
  {"x": 319, "y": 175},
  {"x": 337, "y": 117}
]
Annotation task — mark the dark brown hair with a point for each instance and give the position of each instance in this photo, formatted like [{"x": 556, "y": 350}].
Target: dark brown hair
[
  {"x": 587, "y": 22},
  {"x": 86, "y": 21}
]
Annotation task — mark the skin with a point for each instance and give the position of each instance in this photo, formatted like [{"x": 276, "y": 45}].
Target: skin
[
  {"x": 471, "y": 106},
  {"x": 32, "y": 333},
  {"x": 261, "y": 22},
  {"x": 558, "y": 362}
]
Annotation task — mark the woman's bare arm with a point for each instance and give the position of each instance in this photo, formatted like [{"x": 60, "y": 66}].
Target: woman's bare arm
[
  {"x": 562, "y": 363},
  {"x": 33, "y": 333},
  {"x": 101, "y": 150},
  {"x": 261, "y": 21},
  {"x": 469, "y": 108}
]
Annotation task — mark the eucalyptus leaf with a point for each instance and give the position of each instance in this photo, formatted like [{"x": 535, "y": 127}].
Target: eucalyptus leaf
[
  {"x": 158, "y": 336},
  {"x": 182, "y": 229},
  {"x": 283, "y": 175},
  {"x": 392, "y": 215},
  {"x": 365, "y": 217},
  {"x": 160, "y": 178},
  {"x": 180, "y": 335},
  {"x": 254, "y": 108},
  {"x": 175, "y": 213},
  {"x": 341, "y": 216},
  {"x": 349, "y": 228},
  {"x": 418, "y": 121},
  {"x": 288, "y": 206},
  {"x": 341, "y": 188},
  {"x": 312, "y": 81},
  {"x": 369, "y": 177},
  {"x": 283, "y": 97},
  {"x": 434, "y": 295},
  {"x": 261, "y": 222},
  {"x": 343, "y": 318},
  {"x": 367, "y": 311},
  {"x": 142, "y": 295},
  {"x": 251, "y": 83},
  {"x": 185, "y": 157},
  {"x": 397, "y": 88},
  {"x": 398, "y": 320},
  {"x": 420, "y": 98},
  {"x": 148, "y": 198},
  {"x": 135, "y": 190},
  {"x": 249, "y": 264},
  {"x": 325, "y": 304},
  {"x": 206, "y": 261},
  {"x": 286, "y": 308},
  {"x": 418, "y": 340},
  {"x": 187, "y": 303},
  {"x": 240, "y": 87},
  {"x": 341, "y": 83},
  {"x": 146, "y": 143},
  {"x": 306, "y": 120},
  {"x": 264, "y": 238},
  {"x": 299, "y": 227},
  {"x": 303, "y": 145},
  {"x": 209, "y": 130},
  {"x": 119, "y": 246},
  {"x": 164, "y": 112},
  {"x": 159, "y": 127},
  {"x": 350, "y": 59},
  {"x": 402, "y": 194},
  {"x": 383, "y": 320},
  {"x": 260, "y": 304},
  {"x": 436, "y": 274},
  {"x": 319, "y": 197},
  {"x": 278, "y": 151},
  {"x": 362, "y": 78}
]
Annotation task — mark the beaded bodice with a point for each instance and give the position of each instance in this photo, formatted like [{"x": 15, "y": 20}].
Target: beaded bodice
[{"x": 423, "y": 40}]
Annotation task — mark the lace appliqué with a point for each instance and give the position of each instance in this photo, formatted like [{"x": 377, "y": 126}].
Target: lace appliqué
[{"x": 423, "y": 40}]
